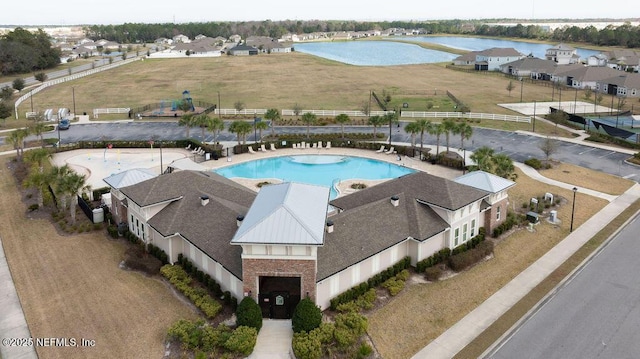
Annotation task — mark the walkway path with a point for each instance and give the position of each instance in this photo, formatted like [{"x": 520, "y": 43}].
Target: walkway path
[
  {"x": 473, "y": 324},
  {"x": 12, "y": 321},
  {"x": 274, "y": 340}
]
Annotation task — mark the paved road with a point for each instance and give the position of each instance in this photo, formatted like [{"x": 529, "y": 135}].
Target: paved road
[
  {"x": 518, "y": 146},
  {"x": 595, "y": 314}
]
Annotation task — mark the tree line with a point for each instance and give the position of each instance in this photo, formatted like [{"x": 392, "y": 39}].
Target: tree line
[
  {"x": 23, "y": 51},
  {"x": 624, "y": 35}
]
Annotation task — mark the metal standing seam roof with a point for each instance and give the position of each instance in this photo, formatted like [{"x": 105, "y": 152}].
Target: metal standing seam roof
[
  {"x": 485, "y": 181},
  {"x": 129, "y": 177},
  {"x": 286, "y": 213}
]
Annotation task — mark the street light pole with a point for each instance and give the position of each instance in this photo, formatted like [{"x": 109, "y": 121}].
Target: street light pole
[
  {"x": 573, "y": 208},
  {"x": 534, "y": 116},
  {"x": 521, "y": 86},
  {"x": 73, "y": 94}
]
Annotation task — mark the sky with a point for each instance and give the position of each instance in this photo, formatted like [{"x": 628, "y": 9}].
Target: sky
[{"x": 75, "y": 12}]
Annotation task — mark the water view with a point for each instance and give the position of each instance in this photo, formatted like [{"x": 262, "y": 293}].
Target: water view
[
  {"x": 374, "y": 53},
  {"x": 388, "y": 52},
  {"x": 477, "y": 44}
]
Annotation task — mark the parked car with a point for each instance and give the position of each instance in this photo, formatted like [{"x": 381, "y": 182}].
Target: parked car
[{"x": 64, "y": 124}]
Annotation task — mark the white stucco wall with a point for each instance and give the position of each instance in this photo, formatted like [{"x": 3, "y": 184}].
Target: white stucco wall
[{"x": 358, "y": 273}]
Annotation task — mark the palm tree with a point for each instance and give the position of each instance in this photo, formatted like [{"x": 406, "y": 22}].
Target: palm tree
[
  {"x": 423, "y": 126},
  {"x": 74, "y": 184},
  {"x": 483, "y": 159},
  {"x": 261, "y": 125},
  {"x": 16, "y": 138},
  {"x": 272, "y": 115},
  {"x": 413, "y": 129},
  {"x": 376, "y": 121},
  {"x": 37, "y": 157},
  {"x": 215, "y": 125},
  {"x": 188, "y": 121},
  {"x": 57, "y": 177},
  {"x": 503, "y": 166},
  {"x": 392, "y": 119},
  {"x": 449, "y": 127},
  {"x": 342, "y": 119},
  {"x": 241, "y": 129},
  {"x": 40, "y": 181},
  {"x": 203, "y": 121},
  {"x": 465, "y": 131},
  {"x": 309, "y": 118},
  {"x": 437, "y": 130}
]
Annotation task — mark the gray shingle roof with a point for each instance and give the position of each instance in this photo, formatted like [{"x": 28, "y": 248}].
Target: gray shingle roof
[
  {"x": 364, "y": 231},
  {"x": 207, "y": 227},
  {"x": 533, "y": 64},
  {"x": 430, "y": 189},
  {"x": 286, "y": 213}
]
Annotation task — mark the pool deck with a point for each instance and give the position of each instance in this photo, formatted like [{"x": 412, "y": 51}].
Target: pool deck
[{"x": 97, "y": 164}]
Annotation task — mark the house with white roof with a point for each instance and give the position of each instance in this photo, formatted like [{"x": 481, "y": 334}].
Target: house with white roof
[
  {"x": 562, "y": 54},
  {"x": 290, "y": 241},
  {"x": 491, "y": 59}
]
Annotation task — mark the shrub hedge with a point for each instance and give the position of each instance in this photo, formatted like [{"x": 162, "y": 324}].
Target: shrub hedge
[
  {"x": 443, "y": 255},
  {"x": 249, "y": 314},
  {"x": 199, "y": 296},
  {"x": 376, "y": 280},
  {"x": 201, "y": 337},
  {"x": 464, "y": 260},
  {"x": 512, "y": 220},
  {"x": 306, "y": 317},
  {"x": 321, "y": 342}
]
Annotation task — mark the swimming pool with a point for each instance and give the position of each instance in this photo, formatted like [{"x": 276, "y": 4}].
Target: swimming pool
[{"x": 323, "y": 170}]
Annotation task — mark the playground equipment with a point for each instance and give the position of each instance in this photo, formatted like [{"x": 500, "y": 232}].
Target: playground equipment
[{"x": 175, "y": 103}]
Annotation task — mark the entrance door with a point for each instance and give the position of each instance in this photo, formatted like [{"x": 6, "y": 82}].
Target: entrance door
[{"x": 278, "y": 296}]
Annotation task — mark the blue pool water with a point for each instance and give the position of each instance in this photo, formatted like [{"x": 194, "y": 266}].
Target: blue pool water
[{"x": 323, "y": 170}]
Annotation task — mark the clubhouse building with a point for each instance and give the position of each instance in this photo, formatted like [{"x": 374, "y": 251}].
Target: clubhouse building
[{"x": 289, "y": 240}]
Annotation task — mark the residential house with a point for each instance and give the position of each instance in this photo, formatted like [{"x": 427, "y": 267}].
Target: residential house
[
  {"x": 599, "y": 60},
  {"x": 562, "y": 54},
  {"x": 580, "y": 76},
  {"x": 623, "y": 59},
  {"x": 466, "y": 59},
  {"x": 624, "y": 85},
  {"x": 283, "y": 243},
  {"x": 268, "y": 45},
  {"x": 491, "y": 59},
  {"x": 242, "y": 50},
  {"x": 202, "y": 47},
  {"x": 181, "y": 38},
  {"x": 235, "y": 38},
  {"x": 342, "y": 35},
  {"x": 531, "y": 67}
]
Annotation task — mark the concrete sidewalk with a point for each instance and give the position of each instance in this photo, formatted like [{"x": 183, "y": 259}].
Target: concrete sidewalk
[
  {"x": 12, "y": 321},
  {"x": 274, "y": 340},
  {"x": 473, "y": 324}
]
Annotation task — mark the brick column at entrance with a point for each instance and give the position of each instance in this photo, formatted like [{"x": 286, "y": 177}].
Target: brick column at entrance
[{"x": 253, "y": 269}]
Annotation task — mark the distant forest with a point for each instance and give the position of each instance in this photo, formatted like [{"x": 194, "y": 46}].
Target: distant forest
[
  {"x": 22, "y": 51},
  {"x": 624, "y": 35}
]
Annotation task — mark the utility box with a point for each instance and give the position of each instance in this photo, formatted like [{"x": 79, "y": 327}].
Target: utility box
[
  {"x": 98, "y": 215},
  {"x": 553, "y": 216},
  {"x": 533, "y": 217},
  {"x": 548, "y": 197}
]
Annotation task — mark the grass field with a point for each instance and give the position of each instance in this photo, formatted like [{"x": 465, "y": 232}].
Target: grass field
[
  {"x": 424, "y": 311},
  {"x": 276, "y": 80},
  {"x": 71, "y": 286}
]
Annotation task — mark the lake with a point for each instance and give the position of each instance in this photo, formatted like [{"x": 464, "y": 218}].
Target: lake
[
  {"x": 374, "y": 53},
  {"x": 389, "y": 53},
  {"x": 477, "y": 44}
]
